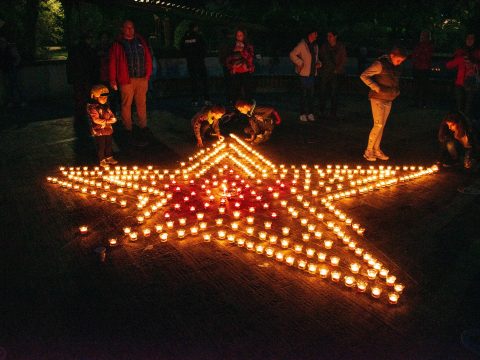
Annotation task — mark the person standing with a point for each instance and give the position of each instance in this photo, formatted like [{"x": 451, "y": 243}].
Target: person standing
[
  {"x": 333, "y": 57},
  {"x": 305, "y": 58},
  {"x": 82, "y": 73},
  {"x": 467, "y": 82},
  {"x": 422, "y": 63},
  {"x": 130, "y": 67},
  {"x": 382, "y": 77},
  {"x": 194, "y": 49},
  {"x": 241, "y": 67}
]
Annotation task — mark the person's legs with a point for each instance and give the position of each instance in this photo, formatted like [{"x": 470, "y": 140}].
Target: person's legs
[
  {"x": 324, "y": 83},
  {"x": 140, "y": 96},
  {"x": 334, "y": 95},
  {"x": 108, "y": 146},
  {"x": 380, "y": 111},
  {"x": 101, "y": 146},
  {"x": 387, "y": 105},
  {"x": 126, "y": 93},
  {"x": 459, "y": 93}
]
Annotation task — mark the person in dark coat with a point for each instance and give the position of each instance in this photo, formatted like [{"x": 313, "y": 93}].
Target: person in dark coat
[{"x": 194, "y": 49}]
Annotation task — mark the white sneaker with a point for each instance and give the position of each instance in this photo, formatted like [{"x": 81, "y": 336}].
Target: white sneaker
[
  {"x": 369, "y": 155},
  {"x": 303, "y": 118},
  {"x": 310, "y": 117},
  {"x": 380, "y": 155}
]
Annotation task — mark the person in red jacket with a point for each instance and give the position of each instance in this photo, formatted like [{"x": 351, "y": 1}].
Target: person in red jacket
[
  {"x": 130, "y": 67},
  {"x": 422, "y": 62},
  {"x": 240, "y": 64},
  {"x": 467, "y": 61}
]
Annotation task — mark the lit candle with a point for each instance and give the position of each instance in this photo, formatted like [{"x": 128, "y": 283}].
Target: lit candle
[
  {"x": 123, "y": 203},
  {"x": 393, "y": 298},
  {"x": 305, "y": 237},
  {"x": 310, "y": 252},
  {"x": 391, "y": 280},
  {"x": 250, "y": 220},
  {"x": 200, "y": 216},
  {"x": 146, "y": 232},
  {"x": 349, "y": 281},
  {"x": 302, "y": 264},
  {"x": 241, "y": 242},
  {"x": 181, "y": 233},
  {"x": 231, "y": 238},
  {"x": 376, "y": 292},
  {"x": 202, "y": 225},
  {"x": 219, "y": 221},
  {"x": 335, "y": 275},
  {"x": 272, "y": 239},
  {"x": 236, "y": 214},
  {"x": 323, "y": 272},
  {"x": 284, "y": 243},
  {"x": 133, "y": 236},
  {"x": 194, "y": 230},
  {"x": 354, "y": 268},
  {"x": 312, "y": 268},
  {"x": 399, "y": 288},
  {"x": 126, "y": 230},
  {"x": 250, "y": 245},
  {"x": 268, "y": 225},
  {"x": 321, "y": 256},
  {"x": 361, "y": 286},
  {"x": 371, "y": 274},
  {"x": 269, "y": 251},
  {"x": 358, "y": 251},
  {"x": 170, "y": 224},
  {"x": 285, "y": 231},
  {"x": 158, "y": 228},
  {"x": 279, "y": 256},
  {"x": 311, "y": 227},
  {"x": 334, "y": 260},
  {"x": 328, "y": 244},
  {"x": 112, "y": 242},
  {"x": 182, "y": 221},
  {"x": 207, "y": 237},
  {"x": 384, "y": 273},
  {"x": 140, "y": 219},
  {"x": 303, "y": 221},
  {"x": 222, "y": 234},
  {"x": 298, "y": 248},
  {"x": 83, "y": 229},
  {"x": 290, "y": 260},
  {"x": 318, "y": 234},
  {"x": 250, "y": 230},
  {"x": 259, "y": 249}
]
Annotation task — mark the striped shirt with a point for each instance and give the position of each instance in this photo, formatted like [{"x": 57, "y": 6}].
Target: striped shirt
[{"x": 135, "y": 54}]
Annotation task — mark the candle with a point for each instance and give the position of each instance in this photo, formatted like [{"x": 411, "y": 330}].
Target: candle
[
  {"x": 250, "y": 245},
  {"x": 399, "y": 288},
  {"x": 334, "y": 260},
  {"x": 231, "y": 238},
  {"x": 328, "y": 244},
  {"x": 358, "y": 251},
  {"x": 83, "y": 229},
  {"x": 310, "y": 252},
  {"x": 391, "y": 280},
  {"x": 207, "y": 237},
  {"x": 269, "y": 251},
  {"x": 250, "y": 220},
  {"x": 259, "y": 249},
  {"x": 302, "y": 264},
  {"x": 272, "y": 239},
  {"x": 303, "y": 221},
  {"x": 393, "y": 298},
  {"x": 262, "y": 235},
  {"x": 312, "y": 268},
  {"x": 290, "y": 260},
  {"x": 241, "y": 242},
  {"x": 170, "y": 224},
  {"x": 112, "y": 242},
  {"x": 279, "y": 256},
  {"x": 354, "y": 268},
  {"x": 335, "y": 275},
  {"x": 318, "y": 234},
  {"x": 384, "y": 273},
  {"x": 181, "y": 233},
  {"x": 126, "y": 230},
  {"x": 218, "y": 221},
  {"x": 123, "y": 203},
  {"x": 285, "y": 231},
  {"x": 321, "y": 256},
  {"x": 200, "y": 216},
  {"x": 182, "y": 221},
  {"x": 194, "y": 230},
  {"x": 236, "y": 214},
  {"x": 311, "y": 227},
  {"x": 376, "y": 291},
  {"x": 323, "y": 272},
  {"x": 305, "y": 237},
  {"x": 361, "y": 286},
  {"x": 140, "y": 219},
  {"x": 250, "y": 231},
  {"x": 371, "y": 274},
  {"x": 268, "y": 225},
  {"x": 284, "y": 243},
  {"x": 298, "y": 248},
  {"x": 222, "y": 234},
  {"x": 146, "y": 232},
  {"x": 158, "y": 228},
  {"x": 349, "y": 281},
  {"x": 133, "y": 236}
]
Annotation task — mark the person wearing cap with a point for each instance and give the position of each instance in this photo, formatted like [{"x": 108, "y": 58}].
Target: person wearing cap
[
  {"x": 101, "y": 120},
  {"x": 130, "y": 67},
  {"x": 382, "y": 77},
  {"x": 305, "y": 58}
]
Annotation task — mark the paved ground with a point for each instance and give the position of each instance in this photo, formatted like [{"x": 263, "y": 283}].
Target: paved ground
[{"x": 187, "y": 300}]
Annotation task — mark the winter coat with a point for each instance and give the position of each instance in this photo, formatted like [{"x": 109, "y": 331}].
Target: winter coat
[{"x": 302, "y": 58}]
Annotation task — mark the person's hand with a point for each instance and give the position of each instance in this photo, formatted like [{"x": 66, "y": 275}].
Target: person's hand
[
  {"x": 220, "y": 137},
  {"x": 376, "y": 88},
  {"x": 199, "y": 143},
  {"x": 114, "y": 86}
]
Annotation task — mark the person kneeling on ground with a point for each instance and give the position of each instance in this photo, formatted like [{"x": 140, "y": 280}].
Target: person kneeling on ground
[
  {"x": 101, "y": 120},
  {"x": 207, "y": 118},
  {"x": 456, "y": 141},
  {"x": 262, "y": 120}
]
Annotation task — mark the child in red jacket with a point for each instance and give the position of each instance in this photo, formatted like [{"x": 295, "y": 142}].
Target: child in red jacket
[{"x": 101, "y": 120}]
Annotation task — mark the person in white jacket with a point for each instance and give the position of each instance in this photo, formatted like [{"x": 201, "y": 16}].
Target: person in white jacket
[{"x": 305, "y": 58}]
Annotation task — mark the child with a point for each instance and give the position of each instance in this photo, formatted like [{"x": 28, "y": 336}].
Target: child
[
  {"x": 207, "y": 118},
  {"x": 262, "y": 120},
  {"x": 456, "y": 139},
  {"x": 101, "y": 119}
]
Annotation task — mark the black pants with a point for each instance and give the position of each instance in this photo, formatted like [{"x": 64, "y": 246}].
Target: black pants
[
  {"x": 421, "y": 84},
  {"x": 242, "y": 86},
  {"x": 328, "y": 86},
  {"x": 198, "y": 79},
  {"x": 104, "y": 146},
  {"x": 307, "y": 86}
]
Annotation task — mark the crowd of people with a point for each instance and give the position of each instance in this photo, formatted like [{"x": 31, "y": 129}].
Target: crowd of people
[{"x": 126, "y": 65}]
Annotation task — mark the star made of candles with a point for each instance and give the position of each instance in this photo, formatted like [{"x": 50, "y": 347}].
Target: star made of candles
[{"x": 232, "y": 193}]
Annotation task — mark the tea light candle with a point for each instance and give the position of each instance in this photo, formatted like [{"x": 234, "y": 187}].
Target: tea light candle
[
  {"x": 284, "y": 243},
  {"x": 269, "y": 251},
  {"x": 123, "y": 203},
  {"x": 200, "y": 216},
  {"x": 321, "y": 256},
  {"x": 207, "y": 237},
  {"x": 240, "y": 242},
  {"x": 279, "y": 256},
  {"x": 182, "y": 221},
  {"x": 399, "y": 288},
  {"x": 330, "y": 224},
  {"x": 170, "y": 224},
  {"x": 259, "y": 249},
  {"x": 376, "y": 292},
  {"x": 285, "y": 231},
  {"x": 83, "y": 229},
  {"x": 290, "y": 260},
  {"x": 194, "y": 230},
  {"x": 318, "y": 234},
  {"x": 355, "y": 268},
  {"x": 221, "y": 210},
  {"x": 310, "y": 252},
  {"x": 250, "y": 245},
  {"x": 298, "y": 248},
  {"x": 146, "y": 232},
  {"x": 147, "y": 214},
  {"x": 222, "y": 234},
  {"x": 391, "y": 280},
  {"x": 283, "y": 203},
  {"x": 112, "y": 242},
  {"x": 334, "y": 260},
  {"x": 262, "y": 235},
  {"x": 202, "y": 225},
  {"x": 219, "y": 221},
  {"x": 158, "y": 228},
  {"x": 311, "y": 227},
  {"x": 371, "y": 274},
  {"x": 323, "y": 272},
  {"x": 140, "y": 219},
  {"x": 393, "y": 298},
  {"x": 361, "y": 286},
  {"x": 133, "y": 236},
  {"x": 302, "y": 264},
  {"x": 349, "y": 281},
  {"x": 328, "y": 244},
  {"x": 250, "y": 231},
  {"x": 236, "y": 214},
  {"x": 234, "y": 226},
  {"x": 126, "y": 230},
  {"x": 303, "y": 221},
  {"x": 305, "y": 237},
  {"x": 268, "y": 225},
  {"x": 181, "y": 233},
  {"x": 250, "y": 220},
  {"x": 335, "y": 275},
  {"x": 312, "y": 268},
  {"x": 358, "y": 251},
  {"x": 272, "y": 239}
]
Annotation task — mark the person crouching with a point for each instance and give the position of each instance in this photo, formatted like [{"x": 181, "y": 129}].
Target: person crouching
[
  {"x": 262, "y": 120},
  {"x": 456, "y": 141},
  {"x": 101, "y": 120},
  {"x": 207, "y": 118}
]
